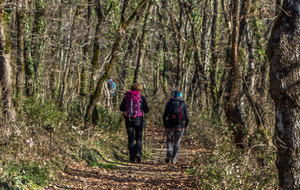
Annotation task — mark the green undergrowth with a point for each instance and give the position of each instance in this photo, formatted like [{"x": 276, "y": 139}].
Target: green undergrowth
[
  {"x": 46, "y": 139},
  {"x": 35, "y": 149},
  {"x": 30, "y": 175},
  {"x": 228, "y": 167}
]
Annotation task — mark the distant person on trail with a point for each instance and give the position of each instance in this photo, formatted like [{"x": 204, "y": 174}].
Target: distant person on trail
[
  {"x": 178, "y": 119},
  {"x": 134, "y": 104},
  {"x": 111, "y": 87}
]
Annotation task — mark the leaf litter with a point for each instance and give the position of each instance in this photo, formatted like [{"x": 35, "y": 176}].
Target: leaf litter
[{"x": 149, "y": 174}]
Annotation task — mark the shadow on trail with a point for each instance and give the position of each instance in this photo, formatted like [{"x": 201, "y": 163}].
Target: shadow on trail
[{"x": 132, "y": 177}]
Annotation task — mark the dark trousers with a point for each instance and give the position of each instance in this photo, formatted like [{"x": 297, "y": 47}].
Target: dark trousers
[
  {"x": 173, "y": 143},
  {"x": 134, "y": 128}
]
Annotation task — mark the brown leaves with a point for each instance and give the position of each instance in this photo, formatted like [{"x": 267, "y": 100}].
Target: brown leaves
[{"x": 150, "y": 174}]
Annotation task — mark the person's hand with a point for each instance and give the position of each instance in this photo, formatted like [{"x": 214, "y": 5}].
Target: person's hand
[{"x": 186, "y": 127}]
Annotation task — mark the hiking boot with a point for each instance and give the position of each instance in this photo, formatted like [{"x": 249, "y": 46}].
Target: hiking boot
[
  {"x": 168, "y": 159},
  {"x": 132, "y": 159},
  {"x": 138, "y": 158}
]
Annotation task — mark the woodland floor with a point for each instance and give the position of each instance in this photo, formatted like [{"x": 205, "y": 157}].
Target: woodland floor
[{"x": 149, "y": 174}]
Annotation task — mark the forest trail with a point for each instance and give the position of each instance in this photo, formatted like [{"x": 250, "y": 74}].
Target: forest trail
[{"x": 149, "y": 174}]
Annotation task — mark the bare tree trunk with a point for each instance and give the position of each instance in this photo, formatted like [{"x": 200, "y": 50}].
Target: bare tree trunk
[
  {"x": 27, "y": 55},
  {"x": 97, "y": 48},
  {"x": 21, "y": 14},
  {"x": 53, "y": 69},
  {"x": 232, "y": 108},
  {"x": 251, "y": 65},
  {"x": 205, "y": 42},
  {"x": 163, "y": 42},
  {"x": 66, "y": 67},
  {"x": 228, "y": 21},
  {"x": 165, "y": 66},
  {"x": 84, "y": 72},
  {"x": 283, "y": 54},
  {"x": 38, "y": 34},
  {"x": 179, "y": 44},
  {"x": 8, "y": 107},
  {"x": 141, "y": 44},
  {"x": 122, "y": 29},
  {"x": 95, "y": 60},
  {"x": 66, "y": 82},
  {"x": 199, "y": 78},
  {"x": 177, "y": 27},
  {"x": 214, "y": 51},
  {"x": 183, "y": 66}
]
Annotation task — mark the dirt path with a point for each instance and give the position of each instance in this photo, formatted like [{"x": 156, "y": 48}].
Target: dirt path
[{"x": 150, "y": 174}]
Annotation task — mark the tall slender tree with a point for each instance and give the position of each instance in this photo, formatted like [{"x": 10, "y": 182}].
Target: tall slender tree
[
  {"x": 38, "y": 37},
  {"x": 205, "y": 42},
  {"x": 67, "y": 60},
  {"x": 232, "y": 108},
  {"x": 214, "y": 57},
  {"x": 141, "y": 43},
  {"x": 84, "y": 72},
  {"x": 6, "y": 72},
  {"x": 21, "y": 14}
]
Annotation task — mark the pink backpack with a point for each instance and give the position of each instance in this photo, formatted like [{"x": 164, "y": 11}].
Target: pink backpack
[{"x": 133, "y": 101}]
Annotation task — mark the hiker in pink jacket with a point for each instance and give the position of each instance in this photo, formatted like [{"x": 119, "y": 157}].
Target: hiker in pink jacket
[{"x": 134, "y": 105}]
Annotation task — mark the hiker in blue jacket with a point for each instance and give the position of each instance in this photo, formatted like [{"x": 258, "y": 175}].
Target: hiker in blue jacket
[
  {"x": 111, "y": 87},
  {"x": 178, "y": 119},
  {"x": 134, "y": 105}
]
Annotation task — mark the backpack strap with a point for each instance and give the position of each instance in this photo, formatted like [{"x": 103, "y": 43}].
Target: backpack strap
[
  {"x": 141, "y": 103},
  {"x": 180, "y": 111}
]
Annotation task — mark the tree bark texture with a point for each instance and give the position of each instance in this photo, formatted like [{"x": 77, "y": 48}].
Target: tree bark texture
[
  {"x": 283, "y": 54},
  {"x": 8, "y": 108},
  {"x": 214, "y": 58},
  {"x": 20, "y": 59},
  {"x": 232, "y": 108},
  {"x": 100, "y": 16}
]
